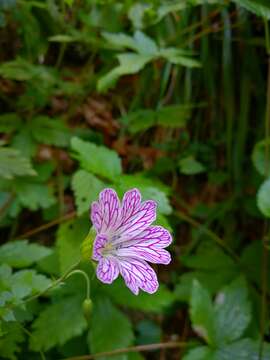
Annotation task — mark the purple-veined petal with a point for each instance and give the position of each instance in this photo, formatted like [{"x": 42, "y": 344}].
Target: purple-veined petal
[
  {"x": 107, "y": 270},
  {"x": 148, "y": 253},
  {"x": 105, "y": 214},
  {"x": 99, "y": 243},
  {"x": 135, "y": 216},
  {"x": 138, "y": 275}
]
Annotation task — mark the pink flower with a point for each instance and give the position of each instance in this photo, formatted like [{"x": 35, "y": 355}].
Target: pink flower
[{"x": 126, "y": 240}]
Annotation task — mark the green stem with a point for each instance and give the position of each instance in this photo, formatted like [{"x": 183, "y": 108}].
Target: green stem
[{"x": 83, "y": 273}]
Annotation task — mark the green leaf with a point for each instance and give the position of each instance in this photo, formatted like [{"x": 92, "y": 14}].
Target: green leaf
[
  {"x": 28, "y": 282},
  {"x": 86, "y": 188},
  {"x": 258, "y": 7},
  {"x": 9, "y": 122},
  {"x": 245, "y": 349},
  {"x": 200, "y": 353},
  {"x": 129, "y": 63},
  {"x": 10, "y": 340},
  {"x": 70, "y": 236},
  {"x": 174, "y": 116},
  {"x": 258, "y": 157},
  {"x": 149, "y": 188},
  {"x": 97, "y": 159},
  {"x": 110, "y": 328},
  {"x": 191, "y": 166},
  {"x": 179, "y": 57},
  {"x": 34, "y": 195},
  {"x": 50, "y": 131},
  {"x": 202, "y": 313},
  {"x": 120, "y": 40},
  {"x": 211, "y": 267},
  {"x": 145, "y": 45},
  {"x": 12, "y": 164},
  {"x": 58, "y": 323},
  {"x": 22, "y": 254},
  {"x": 263, "y": 198},
  {"x": 232, "y": 312},
  {"x": 144, "y": 302}
]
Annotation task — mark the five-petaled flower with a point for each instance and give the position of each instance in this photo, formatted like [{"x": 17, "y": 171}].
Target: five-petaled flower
[{"x": 126, "y": 240}]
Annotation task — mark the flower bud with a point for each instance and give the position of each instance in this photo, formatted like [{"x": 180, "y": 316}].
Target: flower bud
[{"x": 87, "y": 309}]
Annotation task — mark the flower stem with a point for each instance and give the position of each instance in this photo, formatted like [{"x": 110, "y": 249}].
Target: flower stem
[{"x": 83, "y": 273}]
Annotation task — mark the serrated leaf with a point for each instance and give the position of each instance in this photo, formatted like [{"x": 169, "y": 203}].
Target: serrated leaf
[
  {"x": 28, "y": 282},
  {"x": 70, "y": 236},
  {"x": 58, "y": 323},
  {"x": 86, "y": 188},
  {"x": 97, "y": 159},
  {"x": 190, "y": 166},
  {"x": 50, "y": 131},
  {"x": 232, "y": 312},
  {"x": 258, "y": 7},
  {"x": 10, "y": 339},
  {"x": 179, "y": 57},
  {"x": 12, "y": 164},
  {"x": 104, "y": 335},
  {"x": 22, "y": 254},
  {"x": 202, "y": 313},
  {"x": 9, "y": 122},
  {"x": 150, "y": 189},
  {"x": 145, "y": 302},
  {"x": 120, "y": 40},
  {"x": 34, "y": 195},
  {"x": 129, "y": 63},
  {"x": 263, "y": 198}
]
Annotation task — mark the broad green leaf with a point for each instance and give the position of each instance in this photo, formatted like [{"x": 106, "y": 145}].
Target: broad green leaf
[
  {"x": 245, "y": 349},
  {"x": 190, "y": 166},
  {"x": 86, "y": 188},
  {"x": 145, "y": 45},
  {"x": 179, "y": 57},
  {"x": 70, "y": 236},
  {"x": 173, "y": 116},
  {"x": 22, "y": 254},
  {"x": 150, "y": 190},
  {"x": 144, "y": 302},
  {"x": 110, "y": 328},
  {"x": 120, "y": 40},
  {"x": 24, "y": 142},
  {"x": 200, "y": 353},
  {"x": 258, "y": 7},
  {"x": 129, "y": 63},
  {"x": 50, "y": 131},
  {"x": 202, "y": 313},
  {"x": 97, "y": 159},
  {"x": 140, "y": 120},
  {"x": 28, "y": 282},
  {"x": 58, "y": 323},
  {"x": 258, "y": 157},
  {"x": 13, "y": 163},
  {"x": 232, "y": 311},
  {"x": 34, "y": 195},
  {"x": 10, "y": 339},
  {"x": 9, "y": 122},
  {"x": 263, "y": 198}
]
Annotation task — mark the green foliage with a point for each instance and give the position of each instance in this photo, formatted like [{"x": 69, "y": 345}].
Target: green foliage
[
  {"x": 13, "y": 163},
  {"x": 142, "y": 95},
  {"x": 86, "y": 189},
  {"x": 110, "y": 328},
  {"x": 22, "y": 254},
  {"x": 58, "y": 323},
  {"x": 70, "y": 236},
  {"x": 97, "y": 159}
]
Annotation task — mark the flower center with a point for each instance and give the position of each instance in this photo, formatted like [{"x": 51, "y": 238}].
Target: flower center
[{"x": 107, "y": 249}]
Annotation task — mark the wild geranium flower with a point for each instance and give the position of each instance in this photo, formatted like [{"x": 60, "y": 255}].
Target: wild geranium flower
[{"x": 126, "y": 240}]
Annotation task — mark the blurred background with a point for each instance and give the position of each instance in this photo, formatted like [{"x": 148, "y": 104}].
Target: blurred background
[{"x": 170, "y": 97}]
